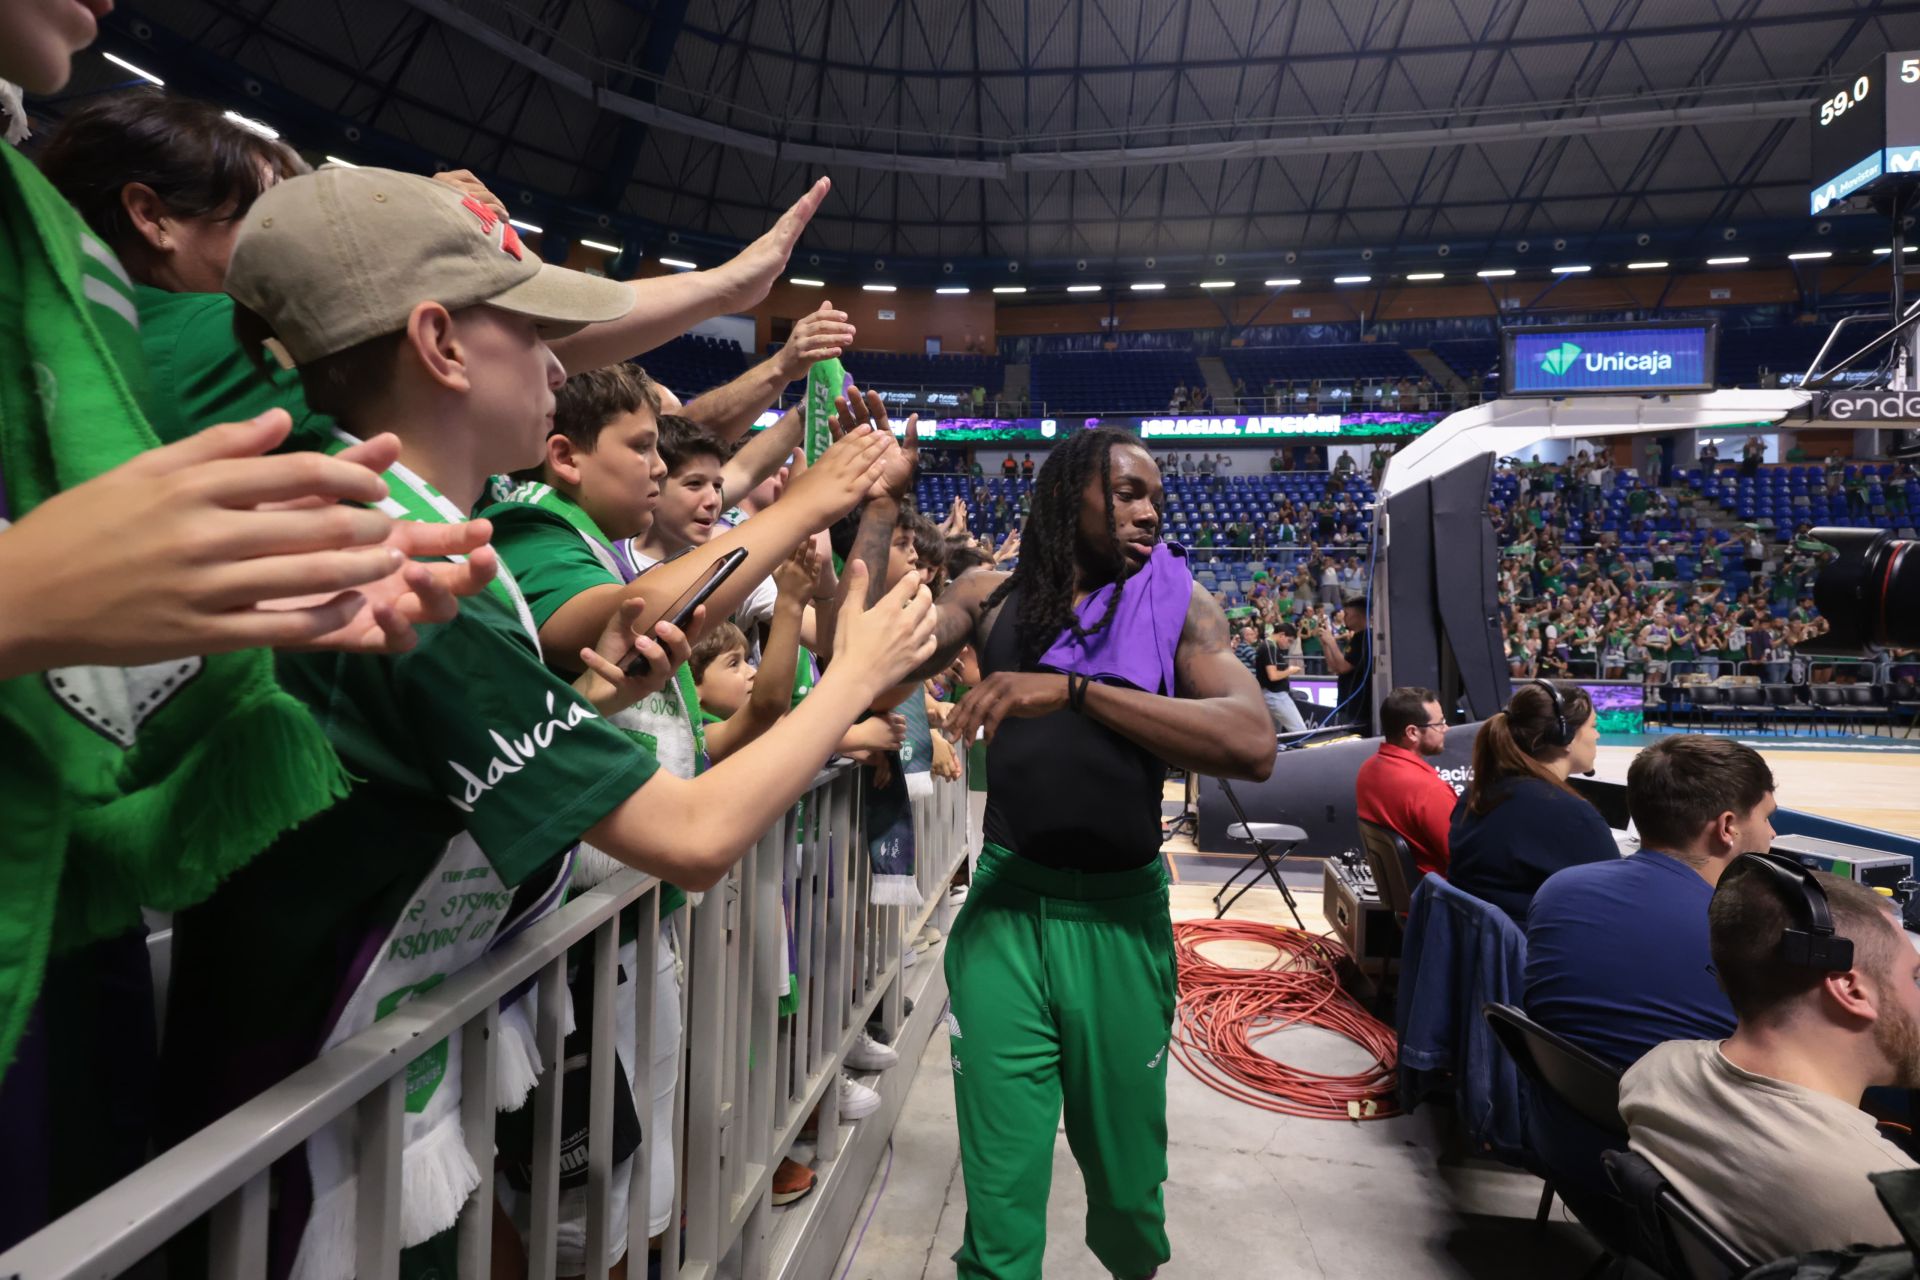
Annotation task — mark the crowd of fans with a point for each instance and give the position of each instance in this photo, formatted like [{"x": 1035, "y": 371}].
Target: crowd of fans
[{"x": 343, "y": 537}]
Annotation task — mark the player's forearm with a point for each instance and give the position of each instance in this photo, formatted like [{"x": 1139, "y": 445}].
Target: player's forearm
[
  {"x": 729, "y": 410},
  {"x": 1223, "y": 737},
  {"x": 871, "y": 542},
  {"x": 763, "y": 455},
  {"x": 664, "y": 307}
]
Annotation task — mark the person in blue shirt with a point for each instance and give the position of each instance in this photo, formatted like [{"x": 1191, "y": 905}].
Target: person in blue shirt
[
  {"x": 1519, "y": 821},
  {"x": 1618, "y": 959}
]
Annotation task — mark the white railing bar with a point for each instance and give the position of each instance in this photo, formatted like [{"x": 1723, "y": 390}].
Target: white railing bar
[
  {"x": 606, "y": 943},
  {"x": 543, "y": 1229},
  {"x": 477, "y": 1039},
  {"x": 381, "y": 1118},
  {"x": 238, "y": 1235}
]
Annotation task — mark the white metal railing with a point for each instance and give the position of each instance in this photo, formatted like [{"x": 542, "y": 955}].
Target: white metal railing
[{"x": 749, "y": 1078}]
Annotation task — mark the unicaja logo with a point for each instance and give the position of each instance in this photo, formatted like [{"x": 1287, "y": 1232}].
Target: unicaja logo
[{"x": 1560, "y": 359}]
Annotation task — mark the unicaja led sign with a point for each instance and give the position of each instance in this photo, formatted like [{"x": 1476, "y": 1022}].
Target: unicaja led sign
[{"x": 1571, "y": 360}]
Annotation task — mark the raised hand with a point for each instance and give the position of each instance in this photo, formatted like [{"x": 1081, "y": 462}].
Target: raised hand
[
  {"x": 887, "y": 642},
  {"x": 173, "y": 554},
  {"x": 856, "y": 410},
  {"x": 843, "y": 476},
  {"x": 750, "y": 274},
  {"x": 793, "y": 580},
  {"x": 820, "y": 336},
  {"x": 418, "y": 593},
  {"x": 606, "y": 683}
]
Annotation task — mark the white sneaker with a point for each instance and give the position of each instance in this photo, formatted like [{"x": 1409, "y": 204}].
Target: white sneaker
[
  {"x": 857, "y": 1102},
  {"x": 869, "y": 1054},
  {"x": 926, "y": 938}
]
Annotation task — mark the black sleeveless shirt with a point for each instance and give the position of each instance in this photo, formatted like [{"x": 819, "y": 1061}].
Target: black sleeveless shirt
[{"x": 1063, "y": 790}]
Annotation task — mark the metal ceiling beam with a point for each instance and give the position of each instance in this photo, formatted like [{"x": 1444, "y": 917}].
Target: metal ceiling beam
[
  {"x": 1884, "y": 8},
  {"x": 655, "y": 56}
]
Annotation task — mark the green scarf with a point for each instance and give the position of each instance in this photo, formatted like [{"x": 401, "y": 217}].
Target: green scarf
[
  {"x": 824, "y": 381},
  {"x": 123, "y": 787},
  {"x": 547, "y": 498}
]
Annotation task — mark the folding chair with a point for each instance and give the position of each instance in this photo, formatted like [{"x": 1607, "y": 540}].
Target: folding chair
[{"x": 1262, "y": 837}]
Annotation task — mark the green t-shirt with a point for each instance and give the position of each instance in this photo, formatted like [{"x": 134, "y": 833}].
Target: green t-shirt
[
  {"x": 553, "y": 564},
  {"x": 467, "y": 731},
  {"x": 203, "y": 376}
]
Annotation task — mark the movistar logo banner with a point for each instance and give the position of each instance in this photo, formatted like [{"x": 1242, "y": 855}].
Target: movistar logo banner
[{"x": 1560, "y": 359}]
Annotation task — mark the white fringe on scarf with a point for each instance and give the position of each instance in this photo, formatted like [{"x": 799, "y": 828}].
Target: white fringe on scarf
[{"x": 436, "y": 1176}]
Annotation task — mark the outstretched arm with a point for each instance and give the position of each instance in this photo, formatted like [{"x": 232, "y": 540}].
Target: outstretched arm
[
  {"x": 1215, "y": 724},
  {"x": 664, "y": 307}
]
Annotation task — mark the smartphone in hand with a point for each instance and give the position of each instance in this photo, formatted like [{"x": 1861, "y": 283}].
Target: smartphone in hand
[{"x": 692, "y": 598}]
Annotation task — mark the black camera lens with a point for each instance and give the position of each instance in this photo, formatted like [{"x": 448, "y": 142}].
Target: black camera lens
[{"x": 1870, "y": 592}]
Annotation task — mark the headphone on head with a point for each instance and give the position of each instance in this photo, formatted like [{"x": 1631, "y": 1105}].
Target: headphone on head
[
  {"x": 1562, "y": 734},
  {"x": 1812, "y": 943}
]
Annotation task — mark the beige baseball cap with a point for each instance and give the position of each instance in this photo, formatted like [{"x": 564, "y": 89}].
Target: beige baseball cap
[{"x": 336, "y": 257}]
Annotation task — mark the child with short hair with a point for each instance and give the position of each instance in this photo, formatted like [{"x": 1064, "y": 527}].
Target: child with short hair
[{"x": 476, "y": 770}]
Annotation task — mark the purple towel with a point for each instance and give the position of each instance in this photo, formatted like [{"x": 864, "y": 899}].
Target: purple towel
[{"x": 1137, "y": 647}]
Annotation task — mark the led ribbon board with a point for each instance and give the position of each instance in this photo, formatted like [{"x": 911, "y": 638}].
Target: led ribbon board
[{"x": 1567, "y": 360}]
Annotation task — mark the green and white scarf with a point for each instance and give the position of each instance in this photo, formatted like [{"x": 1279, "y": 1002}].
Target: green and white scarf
[
  {"x": 825, "y": 380},
  {"x": 437, "y": 1173},
  {"x": 123, "y": 787}
]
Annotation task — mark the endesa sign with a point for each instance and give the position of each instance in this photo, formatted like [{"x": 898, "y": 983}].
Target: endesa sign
[
  {"x": 1867, "y": 406},
  {"x": 1565, "y": 360}
]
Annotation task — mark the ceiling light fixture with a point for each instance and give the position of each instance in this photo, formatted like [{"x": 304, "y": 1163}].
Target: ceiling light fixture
[
  {"x": 1728, "y": 262},
  {"x": 806, "y": 283},
  {"x": 1494, "y": 273},
  {"x": 604, "y": 247},
  {"x": 1282, "y": 284},
  {"x": 348, "y": 164},
  {"x": 1427, "y": 275},
  {"x": 142, "y": 72},
  {"x": 1147, "y": 287},
  {"x": 878, "y": 288},
  {"x": 1352, "y": 279},
  {"x": 1216, "y": 284},
  {"x": 1647, "y": 266},
  {"x": 1577, "y": 269},
  {"x": 950, "y": 288},
  {"x": 246, "y": 122},
  {"x": 1009, "y": 288},
  {"x": 1083, "y": 288},
  {"x": 1810, "y": 256}
]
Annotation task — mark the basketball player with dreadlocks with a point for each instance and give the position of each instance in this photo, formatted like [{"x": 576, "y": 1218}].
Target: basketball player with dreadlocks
[{"x": 1104, "y": 663}]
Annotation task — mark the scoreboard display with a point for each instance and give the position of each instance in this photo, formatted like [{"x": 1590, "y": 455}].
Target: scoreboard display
[{"x": 1866, "y": 130}]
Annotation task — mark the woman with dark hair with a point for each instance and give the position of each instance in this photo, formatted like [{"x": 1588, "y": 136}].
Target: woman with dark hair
[{"x": 1519, "y": 821}]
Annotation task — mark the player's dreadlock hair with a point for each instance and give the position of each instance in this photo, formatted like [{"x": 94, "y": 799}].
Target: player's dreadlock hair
[{"x": 1044, "y": 572}]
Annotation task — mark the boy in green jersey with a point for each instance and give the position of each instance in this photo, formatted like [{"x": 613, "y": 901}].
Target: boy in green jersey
[{"x": 476, "y": 769}]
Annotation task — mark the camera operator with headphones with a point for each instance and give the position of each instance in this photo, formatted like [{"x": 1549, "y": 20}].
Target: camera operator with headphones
[
  {"x": 1762, "y": 1132},
  {"x": 1519, "y": 821}
]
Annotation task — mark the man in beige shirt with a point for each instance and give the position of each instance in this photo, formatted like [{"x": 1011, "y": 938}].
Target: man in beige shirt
[{"x": 1762, "y": 1132}]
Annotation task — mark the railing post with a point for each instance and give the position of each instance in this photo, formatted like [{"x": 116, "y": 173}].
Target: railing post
[
  {"x": 238, "y": 1233},
  {"x": 381, "y": 1116},
  {"x": 603, "y": 1042},
  {"x": 477, "y": 1040},
  {"x": 543, "y": 1230}
]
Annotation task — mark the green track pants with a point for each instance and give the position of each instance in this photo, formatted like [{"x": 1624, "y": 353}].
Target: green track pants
[{"x": 1063, "y": 989}]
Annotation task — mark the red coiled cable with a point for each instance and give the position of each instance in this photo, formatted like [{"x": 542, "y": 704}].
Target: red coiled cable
[{"x": 1223, "y": 1011}]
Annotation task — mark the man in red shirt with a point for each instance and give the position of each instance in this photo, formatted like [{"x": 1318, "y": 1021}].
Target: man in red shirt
[{"x": 1397, "y": 788}]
